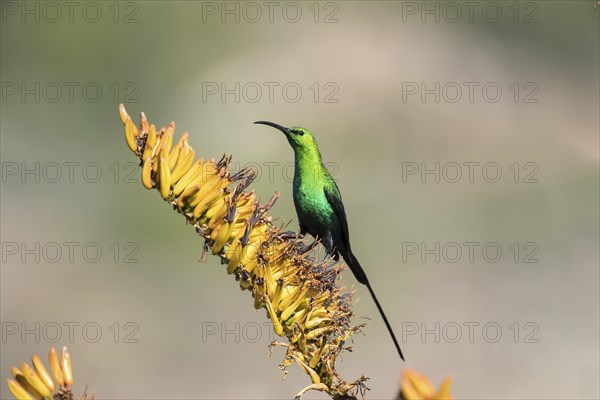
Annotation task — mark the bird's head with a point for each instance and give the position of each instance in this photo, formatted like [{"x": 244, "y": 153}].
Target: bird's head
[{"x": 299, "y": 138}]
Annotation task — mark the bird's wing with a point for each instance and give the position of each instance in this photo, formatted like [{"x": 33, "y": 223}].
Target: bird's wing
[{"x": 334, "y": 198}]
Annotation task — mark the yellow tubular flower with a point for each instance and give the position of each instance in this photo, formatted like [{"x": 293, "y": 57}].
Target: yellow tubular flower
[
  {"x": 418, "y": 387},
  {"x": 18, "y": 391},
  {"x": 301, "y": 297},
  {"x": 38, "y": 383}
]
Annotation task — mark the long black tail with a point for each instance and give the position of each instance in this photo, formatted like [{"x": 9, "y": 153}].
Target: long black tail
[
  {"x": 387, "y": 323},
  {"x": 360, "y": 275}
]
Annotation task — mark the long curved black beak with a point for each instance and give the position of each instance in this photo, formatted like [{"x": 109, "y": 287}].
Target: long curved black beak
[{"x": 274, "y": 125}]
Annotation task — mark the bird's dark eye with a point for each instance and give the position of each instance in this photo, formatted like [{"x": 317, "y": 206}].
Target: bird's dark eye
[{"x": 297, "y": 132}]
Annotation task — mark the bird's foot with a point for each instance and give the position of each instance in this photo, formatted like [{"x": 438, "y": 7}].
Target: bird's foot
[
  {"x": 291, "y": 235},
  {"x": 305, "y": 248}
]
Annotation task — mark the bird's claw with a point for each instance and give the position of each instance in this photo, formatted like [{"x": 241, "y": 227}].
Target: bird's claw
[
  {"x": 291, "y": 235},
  {"x": 305, "y": 248}
]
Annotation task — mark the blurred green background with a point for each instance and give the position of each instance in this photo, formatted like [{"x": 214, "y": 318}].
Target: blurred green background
[{"x": 355, "y": 64}]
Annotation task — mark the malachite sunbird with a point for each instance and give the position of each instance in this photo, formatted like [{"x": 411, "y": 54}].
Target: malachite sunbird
[{"x": 320, "y": 208}]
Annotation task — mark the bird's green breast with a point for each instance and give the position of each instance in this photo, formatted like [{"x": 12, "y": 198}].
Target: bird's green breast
[{"x": 309, "y": 197}]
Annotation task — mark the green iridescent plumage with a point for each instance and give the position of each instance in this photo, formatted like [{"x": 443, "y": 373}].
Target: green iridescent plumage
[{"x": 319, "y": 205}]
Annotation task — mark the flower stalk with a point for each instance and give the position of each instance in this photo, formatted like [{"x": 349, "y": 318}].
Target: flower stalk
[{"x": 302, "y": 297}]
